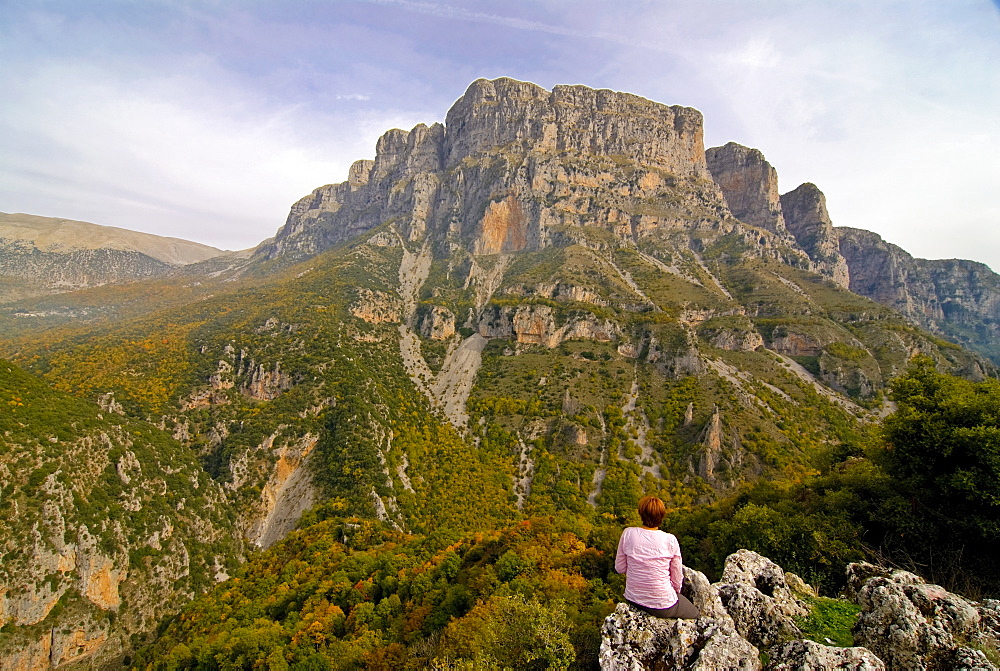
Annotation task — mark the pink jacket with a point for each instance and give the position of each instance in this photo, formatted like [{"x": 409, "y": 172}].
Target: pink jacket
[{"x": 651, "y": 562}]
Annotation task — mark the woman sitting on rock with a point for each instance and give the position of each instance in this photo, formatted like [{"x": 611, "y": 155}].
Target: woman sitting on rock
[{"x": 651, "y": 562}]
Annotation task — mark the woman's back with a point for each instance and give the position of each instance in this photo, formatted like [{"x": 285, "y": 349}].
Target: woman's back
[{"x": 651, "y": 561}]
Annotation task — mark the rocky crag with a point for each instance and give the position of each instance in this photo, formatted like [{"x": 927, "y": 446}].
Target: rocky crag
[
  {"x": 106, "y": 525},
  {"x": 750, "y": 620},
  {"x": 495, "y": 176},
  {"x": 957, "y": 299}
]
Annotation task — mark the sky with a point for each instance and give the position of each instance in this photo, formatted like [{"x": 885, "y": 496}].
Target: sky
[{"x": 207, "y": 119}]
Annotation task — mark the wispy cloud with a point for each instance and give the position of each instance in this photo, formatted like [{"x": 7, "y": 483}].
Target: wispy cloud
[{"x": 445, "y": 11}]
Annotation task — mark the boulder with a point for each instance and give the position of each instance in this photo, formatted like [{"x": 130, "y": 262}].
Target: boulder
[
  {"x": 803, "y": 655},
  {"x": 757, "y": 596},
  {"x": 911, "y": 624}
]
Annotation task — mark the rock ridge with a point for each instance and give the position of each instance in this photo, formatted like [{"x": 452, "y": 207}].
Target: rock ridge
[
  {"x": 512, "y": 163},
  {"x": 904, "y": 624}
]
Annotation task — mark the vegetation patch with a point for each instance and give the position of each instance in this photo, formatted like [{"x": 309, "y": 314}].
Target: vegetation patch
[{"x": 829, "y": 621}]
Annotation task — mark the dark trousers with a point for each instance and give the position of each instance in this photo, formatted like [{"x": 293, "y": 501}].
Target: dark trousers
[{"x": 682, "y": 610}]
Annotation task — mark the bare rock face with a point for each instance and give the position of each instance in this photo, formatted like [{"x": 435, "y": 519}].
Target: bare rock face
[
  {"x": 505, "y": 111},
  {"x": 537, "y": 325},
  {"x": 631, "y": 639},
  {"x": 757, "y": 595},
  {"x": 946, "y": 296},
  {"x": 808, "y": 220},
  {"x": 737, "y": 340},
  {"x": 513, "y": 167},
  {"x": 750, "y": 185},
  {"x": 803, "y": 654},
  {"x": 375, "y": 307},
  {"x": 911, "y": 624},
  {"x": 438, "y": 323}
]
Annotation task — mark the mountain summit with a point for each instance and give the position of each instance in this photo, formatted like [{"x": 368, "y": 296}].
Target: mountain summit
[{"x": 518, "y": 168}]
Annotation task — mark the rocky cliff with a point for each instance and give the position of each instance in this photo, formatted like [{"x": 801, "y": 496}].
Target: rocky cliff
[
  {"x": 750, "y": 620},
  {"x": 105, "y": 526},
  {"x": 749, "y": 184},
  {"x": 954, "y": 298},
  {"x": 517, "y": 168},
  {"x": 513, "y": 166}
]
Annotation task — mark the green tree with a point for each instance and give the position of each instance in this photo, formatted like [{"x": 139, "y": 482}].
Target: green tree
[
  {"x": 511, "y": 632},
  {"x": 942, "y": 450}
]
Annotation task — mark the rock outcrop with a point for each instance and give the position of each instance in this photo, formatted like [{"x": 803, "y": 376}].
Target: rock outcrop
[
  {"x": 808, "y": 220},
  {"x": 539, "y": 325},
  {"x": 632, "y": 640},
  {"x": 904, "y": 624},
  {"x": 911, "y": 624},
  {"x": 750, "y": 610},
  {"x": 749, "y": 184}
]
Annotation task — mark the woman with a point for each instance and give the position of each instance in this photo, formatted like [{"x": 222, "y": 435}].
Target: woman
[{"x": 651, "y": 562}]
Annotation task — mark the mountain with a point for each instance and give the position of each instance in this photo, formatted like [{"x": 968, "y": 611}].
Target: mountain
[
  {"x": 547, "y": 306},
  {"x": 42, "y": 255},
  {"x": 954, "y": 298},
  {"x": 107, "y": 524}
]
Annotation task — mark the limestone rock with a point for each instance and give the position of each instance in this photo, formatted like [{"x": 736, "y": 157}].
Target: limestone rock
[
  {"x": 536, "y": 325},
  {"x": 750, "y": 185},
  {"x": 504, "y": 111},
  {"x": 438, "y": 323},
  {"x": 375, "y": 307},
  {"x": 804, "y": 655},
  {"x": 632, "y": 640},
  {"x": 946, "y": 296},
  {"x": 722, "y": 637},
  {"x": 808, "y": 220},
  {"x": 522, "y": 166},
  {"x": 757, "y": 595},
  {"x": 265, "y": 385},
  {"x": 911, "y": 624},
  {"x": 737, "y": 340}
]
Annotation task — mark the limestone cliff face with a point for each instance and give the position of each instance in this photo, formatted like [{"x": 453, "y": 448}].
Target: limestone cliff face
[
  {"x": 749, "y": 184},
  {"x": 953, "y": 297},
  {"x": 110, "y": 526},
  {"x": 537, "y": 325},
  {"x": 513, "y": 165},
  {"x": 808, "y": 220}
]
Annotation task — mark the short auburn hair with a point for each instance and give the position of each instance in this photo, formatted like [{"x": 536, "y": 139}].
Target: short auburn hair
[{"x": 651, "y": 510}]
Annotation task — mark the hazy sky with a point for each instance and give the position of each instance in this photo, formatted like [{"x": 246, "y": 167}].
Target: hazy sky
[{"x": 206, "y": 119}]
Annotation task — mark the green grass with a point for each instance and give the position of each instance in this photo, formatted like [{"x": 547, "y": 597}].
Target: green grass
[{"x": 830, "y": 619}]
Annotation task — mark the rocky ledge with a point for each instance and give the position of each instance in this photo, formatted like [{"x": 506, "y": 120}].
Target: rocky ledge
[{"x": 749, "y": 622}]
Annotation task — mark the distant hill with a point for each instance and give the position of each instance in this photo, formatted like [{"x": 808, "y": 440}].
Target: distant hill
[{"x": 44, "y": 255}]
